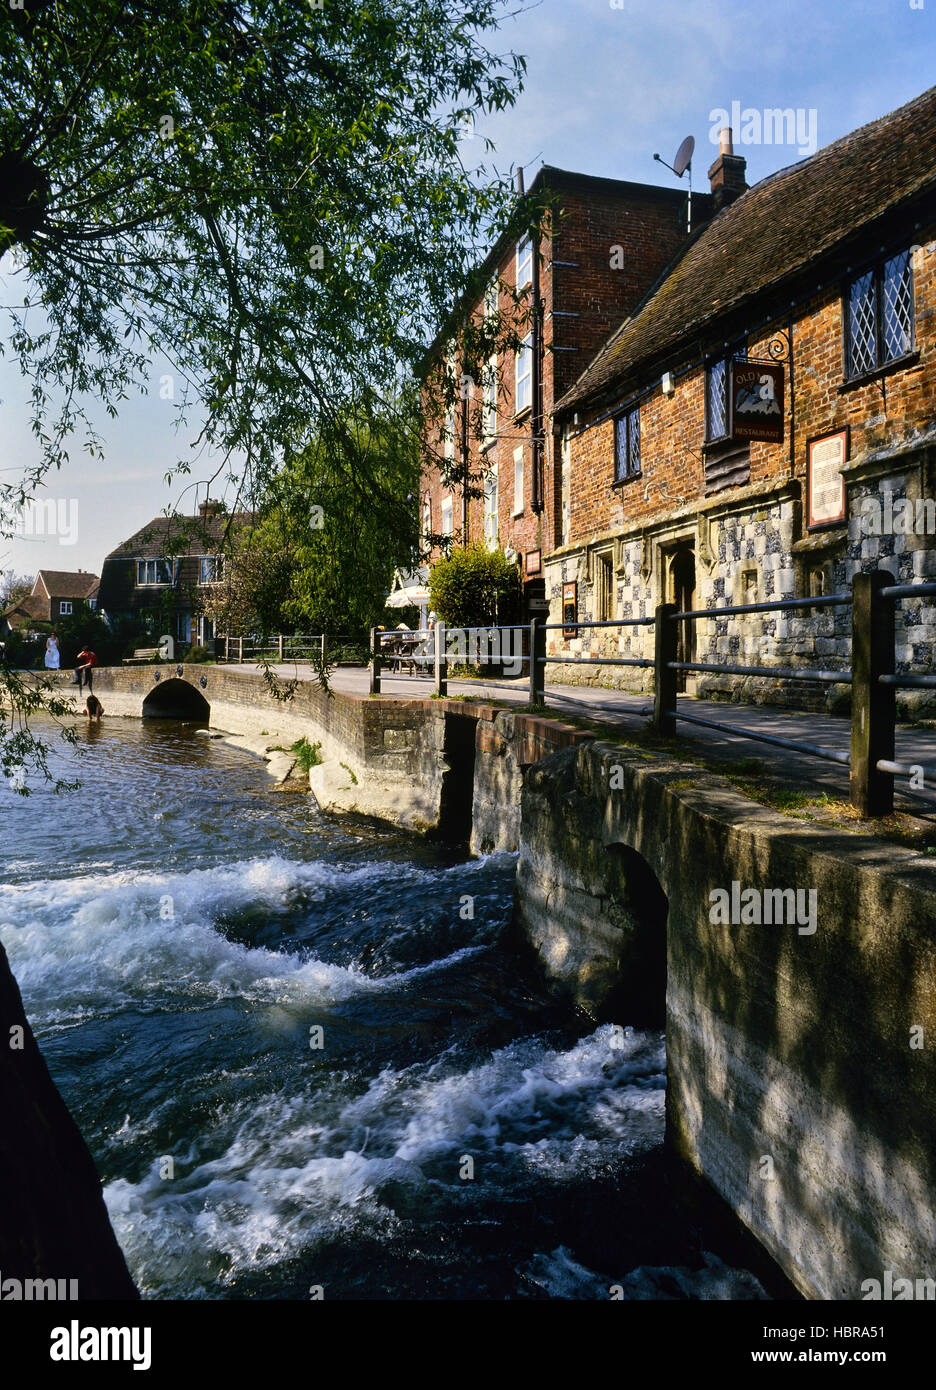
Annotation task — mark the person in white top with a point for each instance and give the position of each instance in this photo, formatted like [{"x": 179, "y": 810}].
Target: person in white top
[{"x": 52, "y": 657}]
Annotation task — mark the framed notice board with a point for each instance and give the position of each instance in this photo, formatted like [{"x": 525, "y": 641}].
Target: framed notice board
[
  {"x": 825, "y": 486},
  {"x": 570, "y": 608}
]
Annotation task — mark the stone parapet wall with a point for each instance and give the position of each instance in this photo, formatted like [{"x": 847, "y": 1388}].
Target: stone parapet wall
[{"x": 801, "y": 1072}]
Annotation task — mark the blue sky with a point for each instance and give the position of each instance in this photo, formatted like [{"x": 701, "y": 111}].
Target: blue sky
[{"x": 608, "y": 83}]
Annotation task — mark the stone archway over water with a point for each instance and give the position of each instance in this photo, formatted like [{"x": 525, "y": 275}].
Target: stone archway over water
[
  {"x": 176, "y": 699},
  {"x": 636, "y": 907}
]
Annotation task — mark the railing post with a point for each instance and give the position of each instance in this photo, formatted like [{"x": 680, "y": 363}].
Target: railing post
[
  {"x": 240, "y": 650},
  {"x": 441, "y": 662},
  {"x": 537, "y": 665},
  {"x": 324, "y": 650},
  {"x": 227, "y": 648},
  {"x": 873, "y": 711},
  {"x": 666, "y": 639},
  {"x": 375, "y": 636},
  {"x": 280, "y": 644}
]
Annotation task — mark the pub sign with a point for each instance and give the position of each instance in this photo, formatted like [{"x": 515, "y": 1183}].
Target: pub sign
[{"x": 756, "y": 401}]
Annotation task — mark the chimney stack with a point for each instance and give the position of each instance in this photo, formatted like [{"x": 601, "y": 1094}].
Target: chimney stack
[
  {"x": 520, "y": 188},
  {"x": 209, "y": 508},
  {"x": 727, "y": 173}
]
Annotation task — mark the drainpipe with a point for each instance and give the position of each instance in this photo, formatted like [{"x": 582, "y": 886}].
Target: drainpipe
[
  {"x": 536, "y": 418},
  {"x": 464, "y": 455}
]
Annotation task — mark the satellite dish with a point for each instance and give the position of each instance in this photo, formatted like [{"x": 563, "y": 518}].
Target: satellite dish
[{"x": 683, "y": 156}]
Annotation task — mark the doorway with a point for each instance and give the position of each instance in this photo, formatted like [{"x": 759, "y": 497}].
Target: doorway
[{"x": 681, "y": 587}]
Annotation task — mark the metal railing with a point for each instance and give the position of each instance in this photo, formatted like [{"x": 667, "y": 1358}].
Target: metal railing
[
  {"x": 440, "y": 646},
  {"x": 328, "y": 649},
  {"x": 872, "y": 678}
]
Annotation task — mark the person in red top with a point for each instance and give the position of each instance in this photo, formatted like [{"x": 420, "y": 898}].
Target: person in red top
[{"x": 86, "y": 662}]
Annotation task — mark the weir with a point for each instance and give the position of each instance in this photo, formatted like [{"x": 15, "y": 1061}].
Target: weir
[{"x": 801, "y": 1073}]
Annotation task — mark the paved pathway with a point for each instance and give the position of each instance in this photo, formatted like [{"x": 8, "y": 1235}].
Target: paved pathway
[{"x": 619, "y": 709}]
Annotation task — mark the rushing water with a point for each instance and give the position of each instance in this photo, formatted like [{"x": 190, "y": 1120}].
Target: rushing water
[{"x": 181, "y": 932}]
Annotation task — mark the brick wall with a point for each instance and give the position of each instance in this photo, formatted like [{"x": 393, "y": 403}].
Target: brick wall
[
  {"x": 605, "y": 252},
  {"x": 750, "y": 541}
]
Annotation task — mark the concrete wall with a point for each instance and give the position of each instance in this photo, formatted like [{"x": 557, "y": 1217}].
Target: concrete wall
[{"x": 797, "y": 1085}]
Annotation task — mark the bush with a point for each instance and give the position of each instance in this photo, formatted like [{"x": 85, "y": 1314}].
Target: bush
[
  {"x": 197, "y": 654},
  {"x": 475, "y": 587},
  {"x": 308, "y": 754}
]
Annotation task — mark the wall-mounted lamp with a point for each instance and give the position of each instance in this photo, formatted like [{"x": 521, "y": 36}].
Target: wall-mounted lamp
[{"x": 669, "y": 384}]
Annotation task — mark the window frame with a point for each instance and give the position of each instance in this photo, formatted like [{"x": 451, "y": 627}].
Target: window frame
[
  {"x": 738, "y": 353},
  {"x": 630, "y": 419},
  {"x": 876, "y": 269},
  {"x": 519, "y": 497},
  {"x": 448, "y": 505},
  {"x": 525, "y": 354},
  {"x": 524, "y": 254},
  {"x": 218, "y": 575},
  {"x": 65, "y": 607},
  {"x": 605, "y": 595},
  {"x": 154, "y": 583},
  {"x": 489, "y": 403},
  {"x": 491, "y": 500}
]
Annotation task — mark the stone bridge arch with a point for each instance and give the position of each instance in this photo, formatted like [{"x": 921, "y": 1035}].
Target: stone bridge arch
[{"x": 176, "y": 699}]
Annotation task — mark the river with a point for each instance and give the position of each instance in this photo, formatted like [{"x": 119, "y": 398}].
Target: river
[{"x": 310, "y": 1058}]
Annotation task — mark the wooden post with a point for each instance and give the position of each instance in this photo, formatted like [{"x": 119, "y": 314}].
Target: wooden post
[
  {"x": 240, "y": 650},
  {"x": 666, "y": 639},
  {"x": 441, "y": 664},
  {"x": 375, "y": 635},
  {"x": 537, "y": 665},
  {"x": 227, "y": 648},
  {"x": 280, "y": 643},
  {"x": 873, "y": 704},
  {"x": 324, "y": 651}
]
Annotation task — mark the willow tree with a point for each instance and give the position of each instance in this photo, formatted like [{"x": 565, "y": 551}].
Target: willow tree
[{"x": 260, "y": 209}]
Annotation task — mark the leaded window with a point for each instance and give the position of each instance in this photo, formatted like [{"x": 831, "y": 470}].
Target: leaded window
[
  {"x": 879, "y": 315},
  {"x": 627, "y": 445},
  {"x": 717, "y": 415}
]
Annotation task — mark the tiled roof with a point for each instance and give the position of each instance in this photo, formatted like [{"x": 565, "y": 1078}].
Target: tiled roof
[
  {"x": 68, "y": 583},
  {"x": 771, "y": 233},
  {"x": 30, "y": 607},
  {"x": 151, "y": 542}
]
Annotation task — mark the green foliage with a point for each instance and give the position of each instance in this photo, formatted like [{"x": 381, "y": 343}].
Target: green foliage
[
  {"x": 85, "y": 628},
  {"x": 21, "y": 753},
  {"x": 475, "y": 587},
  {"x": 307, "y": 754},
  {"x": 343, "y": 541},
  {"x": 268, "y": 198},
  {"x": 271, "y": 196}
]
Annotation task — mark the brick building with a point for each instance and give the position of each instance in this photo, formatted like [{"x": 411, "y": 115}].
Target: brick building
[
  {"x": 609, "y": 241},
  {"x": 827, "y": 269},
  {"x": 56, "y": 594},
  {"x": 158, "y": 576}
]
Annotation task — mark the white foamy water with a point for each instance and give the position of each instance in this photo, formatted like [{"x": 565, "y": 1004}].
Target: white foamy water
[
  {"x": 94, "y": 944},
  {"x": 296, "y": 1171}
]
